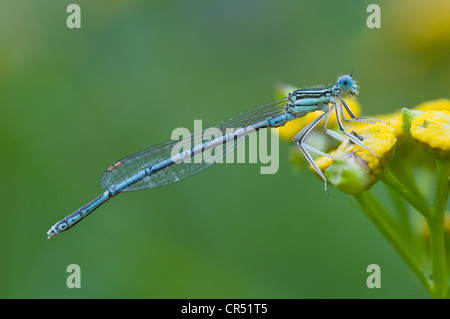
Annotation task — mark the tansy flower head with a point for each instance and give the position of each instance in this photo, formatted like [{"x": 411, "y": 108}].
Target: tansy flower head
[
  {"x": 354, "y": 168},
  {"x": 395, "y": 119},
  {"x": 434, "y": 105},
  {"x": 432, "y": 131}
]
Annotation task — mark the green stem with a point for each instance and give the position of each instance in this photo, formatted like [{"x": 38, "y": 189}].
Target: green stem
[
  {"x": 435, "y": 224},
  {"x": 415, "y": 201},
  {"x": 404, "y": 223},
  {"x": 402, "y": 212},
  {"x": 438, "y": 261},
  {"x": 403, "y": 173},
  {"x": 387, "y": 228},
  {"x": 441, "y": 192}
]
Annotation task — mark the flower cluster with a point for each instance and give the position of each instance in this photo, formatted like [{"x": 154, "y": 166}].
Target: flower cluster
[
  {"x": 354, "y": 169},
  {"x": 406, "y": 153}
]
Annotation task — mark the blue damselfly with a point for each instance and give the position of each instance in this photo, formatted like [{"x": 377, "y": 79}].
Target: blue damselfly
[{"x": 157, "y": 166}]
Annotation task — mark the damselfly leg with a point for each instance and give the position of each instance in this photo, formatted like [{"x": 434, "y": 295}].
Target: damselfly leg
[
  {"x": 338, "y": 108},
  {"x": 302, "y": 135},
  {"x": 343, "y": 105}
]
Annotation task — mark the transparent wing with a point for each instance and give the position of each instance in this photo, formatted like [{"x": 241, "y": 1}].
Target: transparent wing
[{"x": 130, "y": 165}]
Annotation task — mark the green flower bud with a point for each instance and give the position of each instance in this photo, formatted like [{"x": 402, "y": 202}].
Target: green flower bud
[
  {"x": 407, "y": 117},
  {"x": 349, "y": 174}
]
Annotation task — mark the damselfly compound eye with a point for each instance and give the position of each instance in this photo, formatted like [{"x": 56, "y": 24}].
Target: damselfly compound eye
[{"x": 345, "y": 82}]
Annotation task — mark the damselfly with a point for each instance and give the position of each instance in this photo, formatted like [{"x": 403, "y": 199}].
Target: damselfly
[{"x": 156, "y": 166}]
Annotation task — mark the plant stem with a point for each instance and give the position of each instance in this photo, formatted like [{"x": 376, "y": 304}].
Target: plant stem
[
  {"x": 388, "y": 229},
  {"x": 435, "y": 224},
  {"x": 437, "y": 248},
  {"x": 415, "y": 201},
  {"x": 435, "y": 218},
  {"x": 441, "y": 193},
  {"x": 402, "y": 212}
]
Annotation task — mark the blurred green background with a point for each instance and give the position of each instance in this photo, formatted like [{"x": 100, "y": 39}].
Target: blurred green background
[{"x": 73, "y": 101}]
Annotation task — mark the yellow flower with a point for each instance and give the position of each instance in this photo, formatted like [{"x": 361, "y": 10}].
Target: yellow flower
[
  {"x": 354, "y": 168},
  {"x": 437, "y": 105},
  {"x": 395, "y": 119},
  {"x": 379, "y": 138},
  {"x": 432, "y": 131}
]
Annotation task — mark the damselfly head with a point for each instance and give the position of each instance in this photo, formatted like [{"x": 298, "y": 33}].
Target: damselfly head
[{"x": 347, "y": 85}]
